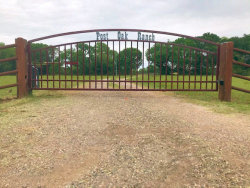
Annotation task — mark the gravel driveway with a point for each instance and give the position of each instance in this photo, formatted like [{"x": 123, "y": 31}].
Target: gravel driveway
[{"x": 122, "y": 139}]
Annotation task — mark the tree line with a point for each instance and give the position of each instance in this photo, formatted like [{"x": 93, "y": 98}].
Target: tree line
[{"x": 159, "y": 58}]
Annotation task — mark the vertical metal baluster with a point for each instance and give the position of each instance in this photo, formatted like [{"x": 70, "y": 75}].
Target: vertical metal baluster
[
  {"x": 41, "y": 61},
  {"x": 195, "y": 69},
  {"x": 47, "y": 68},
  {"x": 89, "y": 68},
  {"x": 178, "y": 66},
  {"x": 207, "y": 69},
  {"x": 125, "y": 65},
  {"x": 166, "y": 72},
  {"x": 101, "y": 67},
  {"x": 201, "y": 70},
  {"x": 190, "y": 63},
  {"x": 217, "y": 66},
  {"x": 77, "y": 66},
  {"x": 53, "y": 66},
  {"x": 137, "y": 66},
  {"x": 83, "y": 64},
  {"x": 107, "y": 64},
  {"x": 160, "y": 64},
  {"x": 35, "y": 71},
  {"x": 95, "y": 69},
  {"x": 113, "y": 64},
  {"x": 142, "y": 64},
  {"x": 172, "y": 67},
  {"x": 119, "y": 65},
  {"x": 154, "y": 64},
  {"x": 71, "y": 71},
  {"x": 184, "y": 68},
  {"x": 59, "y": 66},
  {"x": 65, "y": 71},
  {"x": 131, "y": 66},
  {"x": 148, "y": 63},
  {"x": 212, "y": 86}
]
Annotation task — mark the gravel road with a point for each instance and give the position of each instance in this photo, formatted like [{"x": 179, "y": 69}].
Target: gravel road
[{"x": 122, "y": 139}]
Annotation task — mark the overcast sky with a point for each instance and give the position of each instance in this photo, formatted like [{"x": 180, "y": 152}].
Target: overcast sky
[{"x": 35, "y": 18}]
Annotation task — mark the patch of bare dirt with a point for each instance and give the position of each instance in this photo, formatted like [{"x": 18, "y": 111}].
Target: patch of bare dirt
[{"x": 122, "y": 139}]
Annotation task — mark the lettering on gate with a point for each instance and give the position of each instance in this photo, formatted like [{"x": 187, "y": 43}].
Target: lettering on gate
[{"x": 124, "y": 36}]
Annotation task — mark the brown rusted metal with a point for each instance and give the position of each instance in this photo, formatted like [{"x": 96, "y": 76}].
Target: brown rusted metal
[
  {"x": 130, "y": 30},
  {"x": 8, "y": 73},
  {"x": 240, "y": 89},
  {"x": 195, "y": 69},
  {"x": 240, "y": 63},
  {"x": 83, "y": 64},
  {"x": 240, "y": 50},
  {"x": 178, "y": 66},
  {"x": 201, "y": 71},
  {"x": 212, "y": 85},
  {"x": 225, "y": 72},
  {"x": 8, "y": 59},
  {"x": 89, "y": 68},
  {"x": 77, "y": 66},
  {"x": 184, "y": 57},
  {"x": 7, "y": 46},
  {"x": 107, "y": 64},
  {"x": 59, "y": 65},
  {"x": 137, "y": 66},
  {"x": 22, "y": 67},
  {"x": 148, "y": 64},
  {"x": 166, "y": 70},
  {"x": 8, "y": 86},
  {"x": 121, "y": 89},
  {"x": 172, "y": 66},
  {"x": 240, "y": 76},
  {"x": 131, "y": 66},
  {"x": 126, "y": 70}
]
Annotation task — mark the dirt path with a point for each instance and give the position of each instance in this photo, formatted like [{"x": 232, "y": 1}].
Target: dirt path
[{"x": 122, "y": 139}]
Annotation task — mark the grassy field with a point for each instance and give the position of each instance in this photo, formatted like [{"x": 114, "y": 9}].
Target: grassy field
[
  {"x": 8, "y": 92},
  {"x": 240, "y": 101}
]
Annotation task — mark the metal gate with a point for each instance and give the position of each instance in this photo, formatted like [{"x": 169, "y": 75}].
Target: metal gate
[{"x": 124, "y": 60}]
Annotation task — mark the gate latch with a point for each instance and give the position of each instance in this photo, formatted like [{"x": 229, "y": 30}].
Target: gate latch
[{"x": 221, "y": 82}]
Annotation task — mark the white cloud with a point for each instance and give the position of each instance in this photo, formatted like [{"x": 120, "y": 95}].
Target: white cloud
[{"x": 32, "y": 19}]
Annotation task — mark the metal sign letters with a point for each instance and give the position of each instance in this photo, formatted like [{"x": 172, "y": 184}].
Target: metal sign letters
[{"x": 124, "y": 36}]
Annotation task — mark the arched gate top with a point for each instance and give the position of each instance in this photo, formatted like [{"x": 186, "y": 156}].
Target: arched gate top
[{"x": 122, "y": 30}]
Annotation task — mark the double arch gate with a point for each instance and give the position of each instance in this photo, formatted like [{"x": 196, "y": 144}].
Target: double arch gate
[{"x": 124, "y": 59}]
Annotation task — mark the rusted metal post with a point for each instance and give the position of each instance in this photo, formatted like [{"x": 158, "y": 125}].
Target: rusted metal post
[
  {"x": 225, "y": 72},
  {"x": 22, "y": 68}
]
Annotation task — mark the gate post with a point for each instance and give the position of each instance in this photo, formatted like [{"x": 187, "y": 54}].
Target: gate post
[
  {"x": 22, "y": 68},
  {"x": 225, "y": 71}
]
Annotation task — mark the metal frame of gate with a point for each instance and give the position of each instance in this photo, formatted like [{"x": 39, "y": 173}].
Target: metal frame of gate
[{"x": 103, "y": 64}]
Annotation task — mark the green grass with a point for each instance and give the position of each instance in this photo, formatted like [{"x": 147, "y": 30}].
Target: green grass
[
  {"x": 240, "y": 101},
  {"x": 175, "y": 85},
  {"x": 66, "y": 83},
  {"x": 8, "y": 92},
  {"x": 11, "y": 93}
]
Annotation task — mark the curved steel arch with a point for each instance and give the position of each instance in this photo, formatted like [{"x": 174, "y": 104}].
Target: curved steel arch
[{"x": 130, "y": 30}]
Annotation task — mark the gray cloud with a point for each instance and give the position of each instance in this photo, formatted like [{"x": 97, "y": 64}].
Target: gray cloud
[{"x": 32, "y": 19}]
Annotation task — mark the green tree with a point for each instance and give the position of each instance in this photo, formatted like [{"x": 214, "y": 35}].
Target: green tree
[
  {"x": 7, "y": 53},
  {"x": 130, "y": 60}
]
